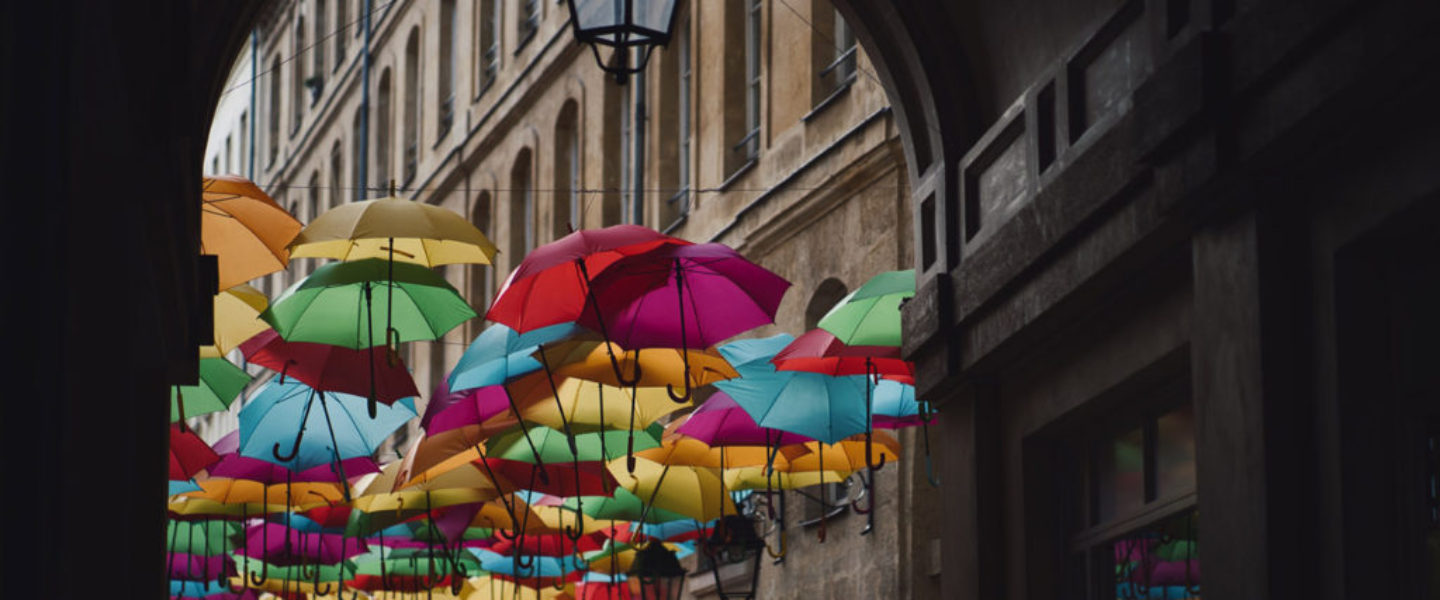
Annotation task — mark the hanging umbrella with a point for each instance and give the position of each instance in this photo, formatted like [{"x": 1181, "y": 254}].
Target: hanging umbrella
[
  {"x": 188, "y": 454},
  {"x": 756, "y": 352},
  {"x": 683, "y": 297},
  {"x": 237, "y": 318},
  {"x": 683, "y": 450},
  {"x": 334, "y": 304},
  {"x": 500, "y": 353},
  {"x": 720, "y": 421},
  {"x": 449, "y": 410},
  {"x": 280, "y": 545},
  {"x": 819, "y": 351},
  {"x": 220, "y": 382},
  {"x": 896, "y": 407},
  {"x": 514, "y": 456},
  {"x": 280, "y": 414},
  {"x": 235, "y": 466},
  {"x": 695, "y": 492},
  {"x": 849, "y": 454},
  {"x": 623, "y": 505},
  {"x": 245, "y": 228},
  {"x": 330, "y": 368},
  {"x": 870, "y": 315},
  {"x": 393, "y": 228},
  {"x": 822, "y": 407},
  {"x": 254, "y": 494},
  {"x": 581, "y": 403},
  {"x": 544, "y": 566},
  {"x": 656, "y": 366},
  {"x": 203, "y": 537},
  {"x": 759, "y": 478}
]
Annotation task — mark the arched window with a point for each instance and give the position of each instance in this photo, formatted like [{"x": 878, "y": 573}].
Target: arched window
[
  {"x": 446, "y": 97},
  {"x": 482, "y": 283},
  {"x": 410, "y": 125},
  {"x": 528, "y": 21},
  {"x": 297, "y": 78},
  {"x": 522, "y": 209},
  {"x": 384, "y": 132},
  {"x": 826, "y": 296},
  {"x": 337, "y": 171},
  {"x": 272, "y": 131},
  {"x": 566, "y": 211}
]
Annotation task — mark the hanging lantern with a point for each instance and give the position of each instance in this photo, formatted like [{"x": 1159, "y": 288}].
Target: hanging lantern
[
  {"x": 659, "y": 572},
  {"x": 625, "y": 26},
  {"x": 733, "y": 540}
]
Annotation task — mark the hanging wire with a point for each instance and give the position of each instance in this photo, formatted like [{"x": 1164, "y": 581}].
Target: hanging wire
[{"x": 302, "y": 51}]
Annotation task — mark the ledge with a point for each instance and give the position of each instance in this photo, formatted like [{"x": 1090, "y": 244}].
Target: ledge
[{"x": 834, "y": 97}]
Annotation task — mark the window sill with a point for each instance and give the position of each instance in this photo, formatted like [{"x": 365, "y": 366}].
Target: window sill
[
  {"x": 834, "y": 97},
  {"x": 739, "y": 172},
  {"x": 524, "y": 41},
  {"x": 442, "y": 134},
  {"x": 679, "y": 221},
  {"x": 485, "y": 87}
]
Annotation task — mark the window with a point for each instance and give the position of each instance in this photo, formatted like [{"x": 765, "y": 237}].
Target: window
[
  {"x": 675, "y": 128},
  {"x": 529, "y": 22},
  {"x": 482, "y": 285},
  {"x": 522, "y": 209},
  {"x": 741, "y": 89},
  {"x": 320, "y": 32},
  {"x": 384, "y": 144},
  {"x": 833, "y": 48},
  {"x": 312, "y": 193},
  {"x": 215, "y": 165},
  {"x": 229, "y": 156},
  {"x": 635, "y": 118},
  {"x": 357, "y": 152},
  {"x": 342, "y": 27},
  {"x": 1133, "y": 526},
  {"x": 565, "y": 213},
  {"x": 827, "y": 499},
  {"x": 337, "y": 168},
  {"x": 611, "y": 156},
  {"x": 272, "y": 134},
  {"x": 487, "y": 44},
  {"x": 297, "y": 78},
  {"x": 411, "y": 123},
  {"x": 446, "y": 96},
  {"x": 750, "y": 144},
  {"x": 245, "y": 163}
]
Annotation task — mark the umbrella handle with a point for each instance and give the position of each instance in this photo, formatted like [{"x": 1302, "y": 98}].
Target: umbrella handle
[
  {"x": 264, "y": 576},
  {"x": 520, "y": 560},
  {"x": 777, "y": 555},
  {"x": 925, "y": 414},
  {"x": 294, "y": 450},
  {"x": 680, "y": 398},
  {"x": 285, "y": 369},
  {"x": 620, "y": 376},
  {"x": 180, "y": 408},
  {"x": 392, "y": 347},
  {"x": 324, "y": 589},
  {"x": 873, "y": 465}
]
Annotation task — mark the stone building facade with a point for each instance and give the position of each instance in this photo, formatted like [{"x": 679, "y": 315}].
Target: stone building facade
[{"x": 762, "y": 125}]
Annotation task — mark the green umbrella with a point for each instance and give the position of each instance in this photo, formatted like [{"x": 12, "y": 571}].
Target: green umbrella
[
  {"x": 870, "y": 315},
  {"x": 348, "y": 304},
  {"x": 623, "y": 506},
  {"x": 220, "y": 382},
  {"x": 553, "y": 446},
  {"x": 203, "y": 538}
]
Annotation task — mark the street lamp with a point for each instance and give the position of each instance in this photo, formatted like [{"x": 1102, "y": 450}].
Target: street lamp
[
  {"x": 623, "y": 25},
  {"x": 660, "y": 574},
  {"x": 733, "y": 540}
]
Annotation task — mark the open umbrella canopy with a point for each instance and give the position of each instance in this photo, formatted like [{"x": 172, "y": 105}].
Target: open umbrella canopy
[
  {"x": 203, "y": 537},
  {"x": 819, "y": 351},
  {"x": 245, "y": 228},
  {"x": 657, "y": 366},
  {"x": 623, "y": 505},
  {"x": 254, "y": 494},
  {"x": 280, "y": 545},
  {"x": 327, "y": 367},
  {"x": 330, "y": 426},
  {"x": 236, "y": 466},
  {"x": 448, "y": 410},
  {"x": 846, "y": 455},
  {"x": 581, "y": 403},
  {"x": 817, "y": 406},
  {"x": 500, "y": 353},
  {"x": 895, "y": 405},
  {"x": 220, "y": 382},
  {"x": 683, "y": 450},
  {"x": 349, "y": 303},
  {"x": 757, "y": 478},
  {"x": 544, "y": 566},
  {"x": 695, "y": 492},
  {"x": 690, "y": 296},
  {"x": 755, "y": 352},
  {"x": 720, "y": 421},
  {"x": 870, "y": 315},
  {"x": 237, "y": 318},
  {"x": 413, "y": 232},
  {"x": 552, "y": 284},
  {"x": 188, "y": 454}
]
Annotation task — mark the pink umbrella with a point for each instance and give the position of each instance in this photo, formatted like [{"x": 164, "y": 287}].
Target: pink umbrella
[
  {"x": 280, "y": 545},
  {"x": 719, "y": 421},
  {"x": 682, "y": 297},
  {"x": 448, "y": 410},
  {"x": 195, "y": 567}
]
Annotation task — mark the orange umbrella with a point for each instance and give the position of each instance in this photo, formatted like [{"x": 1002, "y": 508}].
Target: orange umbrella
[
  {"x": 590, "y": 361},
  {"x": 245, "y": 228}
]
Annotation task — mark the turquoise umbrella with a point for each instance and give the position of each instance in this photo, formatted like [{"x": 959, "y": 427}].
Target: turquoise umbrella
[
  {"x": 499, "y": 354},
  {"x": 281, "y": 414},
  {"x": 823, "y": 407}
]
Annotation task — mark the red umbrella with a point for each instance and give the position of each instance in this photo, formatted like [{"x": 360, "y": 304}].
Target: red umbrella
[
  {"x": 188, "y": 454},
  {"x": 331, "y": 368},
  {"x": 583, "y": 478},
  {"x": 550, "y": 286},
  {"x": 819, "y": 351},
  {"x": 553, "y": 544}
]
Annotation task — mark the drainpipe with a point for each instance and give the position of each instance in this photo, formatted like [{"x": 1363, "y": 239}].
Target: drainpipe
[
  {"x": 254, "y": 78},
  {"x": 362, "y": 162}
]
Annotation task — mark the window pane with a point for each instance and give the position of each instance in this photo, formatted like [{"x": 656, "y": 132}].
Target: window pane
[
  {"x": 1161, "y": 561},
  {"x": 1175, "y": 452},
  {"x": 1120, "y": 475}
]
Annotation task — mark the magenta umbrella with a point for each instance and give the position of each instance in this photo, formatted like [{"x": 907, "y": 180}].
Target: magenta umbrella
[
  {"x": 195, "y": 567},
  {"x": 280, "y": 545},
  {"x": 719, "y": 421},
  {"x": 235, "y": 466},
  {"x": 448, "y": 410},
  {"x": 683, "y": 297}
]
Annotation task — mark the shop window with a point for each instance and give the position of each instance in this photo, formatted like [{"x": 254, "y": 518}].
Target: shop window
[{"x": 1135, "y": 523}]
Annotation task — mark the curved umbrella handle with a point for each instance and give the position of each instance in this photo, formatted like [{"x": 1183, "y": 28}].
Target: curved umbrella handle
[
  {"x": 508, "y": 534},
  {"x": 873, "y": 465},
  {"x": 324, "y": 589},
  {"x": 392, "y": 347},
  {"x": 294, "y": 450},
  {"x": 680, "y": 398},
  {"x": 264, "y": 575},
  {"x": 777, "y": 555},
  {"x": 620, "y": 378},
  {"x": 524, "y": 561}
]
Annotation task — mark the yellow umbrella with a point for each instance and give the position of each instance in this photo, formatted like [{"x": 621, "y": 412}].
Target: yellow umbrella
[
  {"x": 580, "y": 402},
  {"x": 237, "y": 319},
  {"x": 753, "y": 478},
  {"x": 696, "y": 492},
  {"x": 494, "y": 588},
  {"x": 530, "y": 520},
  {"x": 688, "y": 451},
  {"x": 244, "y": 228},
  {"x": 846, "y": 455},
  {"x": 300, "y": 495},
  {"x": 659, "y": 367},
  {"x": 406, "y": 230},
  {"x": 181, "y": 505}
]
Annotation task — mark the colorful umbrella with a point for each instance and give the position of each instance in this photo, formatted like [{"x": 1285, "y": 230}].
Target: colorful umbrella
[
  {"x": 220, "y": 382},
  {"x": 720, "y": 421},
  {"x": 282, "y": 412},
  {"x": 870, "y": 315},
  {"x": 819, "y": 351},
  {"x": 188, "y": 454},
  {"x": 237, "y": 318},
  {"x": 331, "y": 368},
  {"x": 244, "y": 228},
  {"x": 396, "y": 229},
  {"x": 500, "y": 353},
  {"x": 822, "y": 407}
]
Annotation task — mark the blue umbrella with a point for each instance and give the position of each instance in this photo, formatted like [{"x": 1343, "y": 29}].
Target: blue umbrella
[
  {"x": 895, "y": 400},
  {"x": 197, "y": 589},
  {"x": 499, "y": 354},
  {"x": 282, "y": 412},
  {"x": 823, "y": 407},
  {"x": 754, "y": 352},
  {"x": 542, "y": 566},
  {"x": 180, "y": 487}
]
